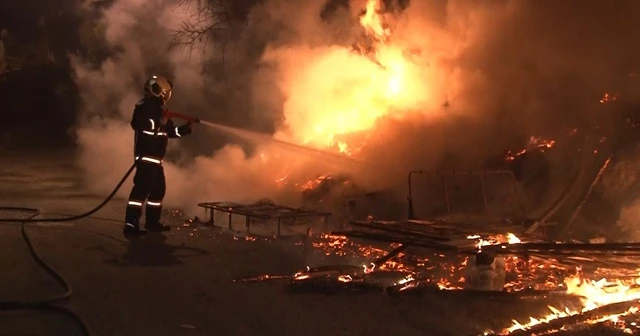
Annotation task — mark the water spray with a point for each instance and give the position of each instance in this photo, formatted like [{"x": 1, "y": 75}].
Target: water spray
[{"x": 262, "y": 138}]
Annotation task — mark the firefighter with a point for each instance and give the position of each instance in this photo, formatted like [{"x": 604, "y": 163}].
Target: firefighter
[{"x": 152, "y": 129}]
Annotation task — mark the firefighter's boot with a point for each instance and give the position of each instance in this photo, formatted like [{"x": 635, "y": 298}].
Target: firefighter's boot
[
  {"x": 133, "y": 230},
  {"x": 157, "y": 227}
]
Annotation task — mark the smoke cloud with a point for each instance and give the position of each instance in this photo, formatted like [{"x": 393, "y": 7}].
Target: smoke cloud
[{"x": 450, "y": 84}]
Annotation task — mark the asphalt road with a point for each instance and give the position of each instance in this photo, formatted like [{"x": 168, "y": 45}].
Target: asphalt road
[{"x": 182, "y": 283}]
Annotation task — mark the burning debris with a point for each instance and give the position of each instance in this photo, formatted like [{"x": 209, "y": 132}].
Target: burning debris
[
  {"x": 535, "y": 144},
  {"x": 571, "y": 320},
  {"x": 490, "y": 265},
  {"x": 437, "y": 257},
  {"x": 499, "y": 257}
]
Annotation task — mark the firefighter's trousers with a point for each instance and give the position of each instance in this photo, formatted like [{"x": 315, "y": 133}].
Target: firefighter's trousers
[{"x": 148, "y": 186}]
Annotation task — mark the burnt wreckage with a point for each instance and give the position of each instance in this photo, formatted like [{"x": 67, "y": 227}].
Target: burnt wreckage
[{"x": 475, "y": 233}]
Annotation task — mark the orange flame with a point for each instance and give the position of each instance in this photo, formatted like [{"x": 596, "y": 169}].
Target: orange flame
[
  {"x": 595, "y": 293},
  {"x": 535, "y": 143},
  {"x": 352, "y": 90}
]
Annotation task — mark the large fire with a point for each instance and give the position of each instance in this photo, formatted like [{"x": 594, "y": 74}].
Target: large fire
[
  {"x": 344, "y": 91},
  {"x": 338, "y": 94},
  {"x": 341, "y": 90}
]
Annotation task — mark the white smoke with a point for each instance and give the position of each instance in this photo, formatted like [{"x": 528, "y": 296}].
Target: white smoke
[
  {"x": 140, "y": 31},
  {"x": 484, "y": 73}
]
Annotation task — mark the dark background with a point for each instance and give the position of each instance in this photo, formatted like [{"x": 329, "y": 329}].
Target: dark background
[{"x": 37, "y": 93}]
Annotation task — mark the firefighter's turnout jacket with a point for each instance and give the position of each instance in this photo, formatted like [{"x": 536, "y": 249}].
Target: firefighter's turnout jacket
[{"x": 150, "y": 135}]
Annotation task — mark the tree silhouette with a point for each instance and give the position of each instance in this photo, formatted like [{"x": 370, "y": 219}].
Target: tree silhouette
[{"x": 214, "y": 22}]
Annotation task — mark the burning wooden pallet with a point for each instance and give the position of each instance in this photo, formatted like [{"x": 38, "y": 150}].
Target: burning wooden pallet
[
  {"x": 567, "y": 323},
  {"x": 434, "y": 234},
  {"x": 265, "y": 212},
  {"x": 471, "y": 239}
]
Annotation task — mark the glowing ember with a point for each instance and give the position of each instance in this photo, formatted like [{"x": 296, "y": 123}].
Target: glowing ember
[
  {"x": 509, "y": 238},
  {"x": 444, "y": 272},
  {"x": 312, "y": 184},
  {"x": 607, "y": 98},
  {"x": 308, "y": 185},
  {"x": 535, "y": 144},
  {"x": 512, "y": 239},
  {"x": 345, "y": 278},
  {"x": 602, "y": 301},
  {"x": 537, "y": 273}
]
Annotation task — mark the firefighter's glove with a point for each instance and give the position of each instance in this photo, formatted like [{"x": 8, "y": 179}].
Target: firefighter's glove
[{"x": 185, "y": 129}]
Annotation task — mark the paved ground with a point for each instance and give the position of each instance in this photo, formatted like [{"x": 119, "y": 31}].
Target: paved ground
[{"x": 183, "y": 283}]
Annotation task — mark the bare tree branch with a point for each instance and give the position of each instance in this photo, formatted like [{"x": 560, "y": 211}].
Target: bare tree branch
[{"x": 212, "y": 22}]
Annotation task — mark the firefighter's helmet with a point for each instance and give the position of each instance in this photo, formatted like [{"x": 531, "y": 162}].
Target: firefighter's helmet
[{"x": 159, "y": 87}]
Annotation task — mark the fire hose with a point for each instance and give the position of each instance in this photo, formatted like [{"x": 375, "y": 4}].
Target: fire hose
[{"x": 52, "y": 303}]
